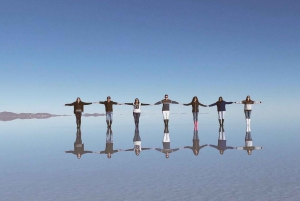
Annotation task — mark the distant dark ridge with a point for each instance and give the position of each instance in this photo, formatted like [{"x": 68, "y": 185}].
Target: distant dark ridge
[
  {"x": 92, "y": 115},
  {"x": 10, "y": 116}
]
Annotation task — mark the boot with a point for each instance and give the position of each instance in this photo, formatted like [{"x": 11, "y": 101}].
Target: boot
[
  {"x": 107, "y": 122},
  {"x": 222, "y": 122},
  {"x": 249, "y": 121},
  {"x": 167, "y": 122},
  {"x": 110, "y": 123},
  {"x": 196, "y": 125}
]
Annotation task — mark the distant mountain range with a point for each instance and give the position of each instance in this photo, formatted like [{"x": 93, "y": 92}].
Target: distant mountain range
[{"x": 10, "y": 116}]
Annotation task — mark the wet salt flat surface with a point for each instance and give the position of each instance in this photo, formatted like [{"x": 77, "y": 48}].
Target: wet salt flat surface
[{"x": 34, "y": 165}]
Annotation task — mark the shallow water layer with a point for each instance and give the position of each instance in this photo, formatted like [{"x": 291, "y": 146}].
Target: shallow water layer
[{"x": 34, "y": 165}]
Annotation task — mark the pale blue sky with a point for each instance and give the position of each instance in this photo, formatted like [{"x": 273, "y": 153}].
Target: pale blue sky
[{"x": 54, "y": 51}]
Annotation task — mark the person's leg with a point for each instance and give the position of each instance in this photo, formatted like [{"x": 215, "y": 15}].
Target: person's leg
[
  {"x": 107, "y": 119},
  {"x": 164, "y": 117},
  {"x": 138, "y": 118},
  {"x": 111, "y": 118},
  {"x": 220, "y": 117},
  {"x": 134, "y": 117},
  {"x": 77, "y": 119},
  {"x": 249, "y": 116},
  {"x": 223, "y": 117},
  {"x": 167, "y": 117},
  {"x": 197, "y": 120}
]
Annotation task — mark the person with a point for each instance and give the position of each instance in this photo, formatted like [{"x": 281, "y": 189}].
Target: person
[
  {"x": 196, "y": 146},
  {"x": 166, "y": 144},
  {"x": 248, "y": 107},
  {"x": 78, "y": 110},
  {"x": 78, "y": 146},
  {"x": 137, "y": 143},
  {"x": 249, "y": 143},
  {"x": 221, "y": 109},
  {"x": 109, "y": 148},
  {"x": 109, "y": 110},
  {"x": 195, "y": 109},
  {"x": 166, "y": 108},
  {"x": 221, "y": 142},
  {"x": 136, "y": 110}
]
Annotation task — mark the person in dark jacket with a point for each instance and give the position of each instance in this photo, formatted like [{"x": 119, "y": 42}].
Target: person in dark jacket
[
  {"x": 221, "y": 107},
  {"x": 78, "y": 110},
  {"x": 109, "y": 148},
  {"x": 196, "y": 144},
  {"x": 166, "y": 108},
  {"x": 195, "y": 109},
  {"x": 222, "y": 142},
  {"x": 136, "y": 110},
  {"x": 78, "y": 146},
  {"x": 109, "y": 110}
]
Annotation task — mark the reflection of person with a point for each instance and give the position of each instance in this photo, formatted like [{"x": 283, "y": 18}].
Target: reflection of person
[
  {"x": 248, "y": 107},
  {"x": 195, "y": 109},
  {"x": 221, "y": 107},
  {"x": 221, "y": 142},
  {"x": 109, "y": 109},
  {"x": 137, "y": 143},
  {"x": 196, "y": 146},
  {"x": 166, "y": 144},
  {"x": 109, "y": 148},
  {"x": 136, "y": 110},
  {"x": 166, "y": 108},
  {"x": 78, "y": 146},
  {"x": 78, "y": 109},
  {"x": 248, "y": 143}
]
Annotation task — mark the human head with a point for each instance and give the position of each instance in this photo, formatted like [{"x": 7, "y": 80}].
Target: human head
[
  {"x": 78, "y": 99},
  {"x": 196, "y": 152},
  {"x": 220, "y": 98},
  {"x": 78, "y": 155},
  {"x": 221, "y": 152},
  {"x": 136, "y": 100},
  {"x": 137, "y": 152},
  {"x": 249, "y": 152},
  {"x": 109, "y": 155},
  {"x": 108, "y": 98},
  {"x": 167, "y": 155},
  {"x": 195, "y": 98},
  {"x": 248, "y": 98},
  {"x": 166, "y": 96}
]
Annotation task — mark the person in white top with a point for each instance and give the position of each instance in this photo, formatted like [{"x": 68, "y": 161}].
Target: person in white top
[
  {"x": 248, "y": 107},
  {"x": 136, "y": 110}
]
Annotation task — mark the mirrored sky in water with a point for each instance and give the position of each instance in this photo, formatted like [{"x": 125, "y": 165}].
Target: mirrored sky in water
[{"x": 35, "y": 166}]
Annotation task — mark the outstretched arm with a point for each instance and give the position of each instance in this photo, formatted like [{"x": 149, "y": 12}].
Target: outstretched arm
[
  {"x": 159, "y": 102},
  {"x": 69, "y": 151},
  {"x": 84, "y": 103},
  {"x": 128, "y": 103},
  {"x": 202, "y": 105},
  {"x": 228, "y": 102},
  {"x": 145, "y": 104},
  {"x": 174, "y": 102},
  {"x": 203, "y": 146},
  {"x": 214, "y": 146},
  {"x": 69, "y": 104},
  {"x": 213, "y": 104},
  {"x": 256, "y": 102},
  {"x": 239, "y": 102},
  {"x": 187, "y": 104},
  {"x": 230, "y": 147}
]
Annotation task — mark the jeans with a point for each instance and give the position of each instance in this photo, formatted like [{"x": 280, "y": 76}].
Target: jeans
[
  {"x": 109, "y": 116},
  {"x": 221, "y": 114},
  {"x": 136, "y": 116},
  {"x": 247, "y": 114},
  {"x": 195, "y": 116}
]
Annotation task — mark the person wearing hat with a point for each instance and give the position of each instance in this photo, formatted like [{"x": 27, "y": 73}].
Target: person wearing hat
[
  {"x": 108, "y": 109},
  {"x": 166, "y": 108},
  {"x": 221, "y": 109},
  {"x": 78, "y": 109},
  {"x": 136, "y": 110}
]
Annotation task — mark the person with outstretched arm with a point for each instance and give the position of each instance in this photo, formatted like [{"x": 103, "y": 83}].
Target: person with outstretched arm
[
  {"x": 196, "y": 144},
  {"x": 221, "y": 107},
  {"x": 221, "y": 142},
  {"x": 136, "y": 110},
  {"x": 167, "y": 144},
  {"x": 109, "y": 148},
  {"x": 109, "y": 110},
  {"x": 78, "y": 110},
  {"x": 137, "y": 143},
  {"x": 249, "y": 143},
  {"x": 166, "y": 108},
  {"x": 248, "y": 107},
  {"x": 195, "y": 109},
  {"x": 78, "y": 146}
]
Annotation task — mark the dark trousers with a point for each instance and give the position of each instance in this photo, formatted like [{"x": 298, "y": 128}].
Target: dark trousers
[
  {"x": 78, "y": 118},
  {"x": 136, "y": 117}
]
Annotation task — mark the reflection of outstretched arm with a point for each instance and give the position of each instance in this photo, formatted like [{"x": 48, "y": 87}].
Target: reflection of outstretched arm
[
  {"x": 100, "y": 152},
  {"x": 230, "y": 147},
  {"x": 188, "y": 147},
  {"x": 129, "y": 149},
  {"x": 87, "y": 152},
  {"x": 146, "y": 148},
  {"x": 173, "y": 150},
  {"x": 69, "y": 151},
  {"x": 214, "y": 146},
  {"x": 203, "y": 146},
  {"x": 159, "y": 149}
]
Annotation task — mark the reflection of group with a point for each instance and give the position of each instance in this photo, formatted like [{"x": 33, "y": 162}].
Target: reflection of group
[
  {"x": 166, "y": 149},
  {"x": 221, "y": 108}
]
